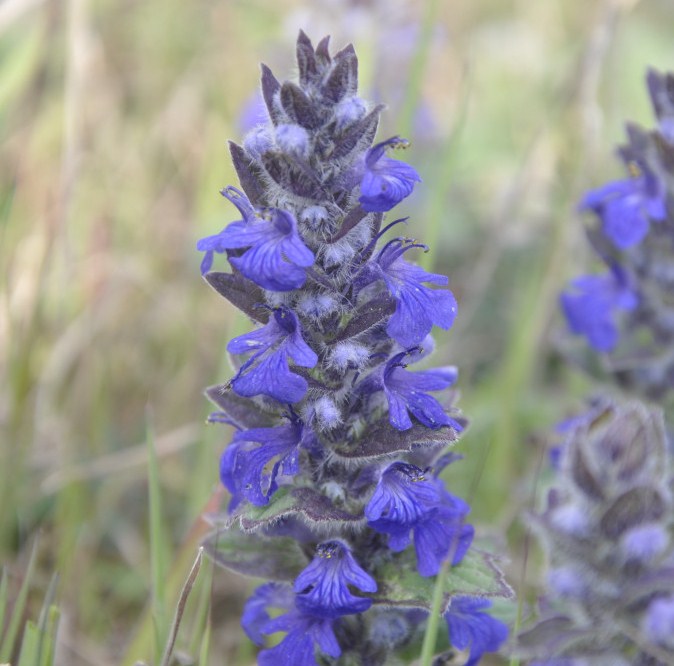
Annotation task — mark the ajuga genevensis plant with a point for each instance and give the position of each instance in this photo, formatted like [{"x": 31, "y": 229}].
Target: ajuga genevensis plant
[
  {"x": 626, "y": 311},
  {"x": 334, "y": 467},
  {"x": 608, "y": 522}
]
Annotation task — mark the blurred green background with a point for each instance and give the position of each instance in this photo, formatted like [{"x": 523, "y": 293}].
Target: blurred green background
[{"x": 114, "y": 118}]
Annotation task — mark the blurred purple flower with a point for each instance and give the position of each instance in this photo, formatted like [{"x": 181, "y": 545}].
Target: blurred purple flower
[
  {"x": 590, "y": 308},
  {"x": 470, "y": 627}
]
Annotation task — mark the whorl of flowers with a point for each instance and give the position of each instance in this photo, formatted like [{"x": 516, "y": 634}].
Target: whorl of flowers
[
  {"x": 627, "y": 310},
  {"x": 607, "y": 529},
  {"x": 333, "y": 468}
]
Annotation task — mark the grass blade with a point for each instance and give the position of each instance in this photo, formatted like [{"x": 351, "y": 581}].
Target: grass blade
[
  {"x": 205, "y": 644},
  {"x": 3, "y": 600},
  {"x": 157, "y": 550},
  {"x": 19, "y": 607},
  {"x": 417, "y": 68},
  {"x": 30, "y": 645},
  {"x": 51, "y": 630},
  {"x": 44, "y": 618},
  {"x": 180, "y": 608}
]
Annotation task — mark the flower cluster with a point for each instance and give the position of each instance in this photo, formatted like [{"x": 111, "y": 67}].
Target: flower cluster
[
  {"x": 607, "y": 530},
  {"x": 333, "y": 468},
  {"x": 627, "y": 311}
]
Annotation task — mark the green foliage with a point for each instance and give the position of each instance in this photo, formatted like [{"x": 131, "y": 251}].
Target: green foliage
[
  {"x": 33, "y": 642},
  {"x": 252, "y": 555},
  {"x": 476, "y": 575}
]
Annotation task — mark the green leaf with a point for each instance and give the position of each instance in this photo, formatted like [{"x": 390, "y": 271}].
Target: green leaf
[
  {"x": 477, "y": 575},
  {"x": 4, "y": 594},
  {"x": 30, "y": 645},
  {"x": 49, "y": 651},
  {"x": 252, "y": 555},
  {"x": 159, "y": 548},
  {"x": 382, "y": 440},
  {"x": 49, "y": 614},
  {"x": 16, "y": 619},
  {"x": 311, "y": 507},
  {"x": 19, "y": 62},
  {"x": 281, "y": 504}
]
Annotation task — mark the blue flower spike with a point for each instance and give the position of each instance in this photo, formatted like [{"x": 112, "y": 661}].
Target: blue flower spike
[
  {"x": 333, "y": 466},
  {"x": 625, "y": 311}
]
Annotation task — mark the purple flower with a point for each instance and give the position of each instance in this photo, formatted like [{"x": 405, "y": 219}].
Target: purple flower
[
  {"x": 255, "y": 615},
  {"x": 244, "y": 464},
  {"x": 470, "y": 626},
  {"x": 405, "y": 393},
  {"x": 275, "y": 256},
  {"x": 386, "y": 182},
  {"x": 644, "y": 543},
  {"x": 590, "y": 308},
  {"x": 266, "y": 372},
  {"x": 298, "y": 647},
  {"x": 626, "y": 207},
  {"x": 322, "y": 588},
  {"x": 304, "y": 631},
  {"x": 658, "y": 623},
  {"x": 405, "y": 501},
  {"x": 417, "y": 307},
  {"x": 253, "y": 113}
]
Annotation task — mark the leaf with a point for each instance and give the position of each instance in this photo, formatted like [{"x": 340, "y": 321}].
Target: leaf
[
  {"x": 317, "y": 508},
  {"x": 644, "y": 586},
  {"x": 306, "y": 60},
  {"x": 270, "y": 88},
  {"x": 279, "y": 558},
  {"x": 284, "y": 171},
  {"x": 550, "y": 636},
  {"x": 383, "y": 440},
  {"x": 635, "y": 507},
  {"x": 361, "y": 132},
  {"x": 633, "y": 445},
  {"x": 353, "y": 217},
  {"x": 298, "y": 106},
  {"x": 322, "y": 53},
  {"x": 400, "y": 585},
  {"x": 249, "y": 176},
  {"x": 367, "y": 316},
  {"x": 304, "y": 503},
  {"x": 252, "y": 517},
  {"x": 343, "y": 79},
  {"x": 245, "y": 413},
  {"x": 583, "y": 475},
  {"x": 240, "y": 292}
]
